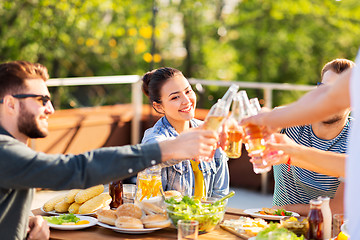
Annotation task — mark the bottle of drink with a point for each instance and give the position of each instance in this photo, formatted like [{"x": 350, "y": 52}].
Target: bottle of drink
[
  {"x": 234, "y": 130},
  {"x": 220, "y": 110},
  {"x": 116, "y": 193},
  {"x": 316, "y": 221},
  {"x": 254, "y": 140},
  {"x": 215, "y": 116},
  {"x": 326, "y": 211}
]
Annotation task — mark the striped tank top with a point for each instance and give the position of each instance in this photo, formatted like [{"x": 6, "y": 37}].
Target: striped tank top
[{"x": 300, "y": 185}]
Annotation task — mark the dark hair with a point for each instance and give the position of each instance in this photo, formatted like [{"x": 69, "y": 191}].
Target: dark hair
[
  {"x": 14, "y": 74},
  {"x": 154, "y": 80},
  {"x": 338, "y": 66}
]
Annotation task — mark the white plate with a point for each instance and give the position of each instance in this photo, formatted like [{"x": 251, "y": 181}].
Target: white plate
[
  {"x": 254, "y": 212},
  {"x": 126, "y": 230},
  {"x": 92, "y": 221},
  {"x": 57, "y": 214}
]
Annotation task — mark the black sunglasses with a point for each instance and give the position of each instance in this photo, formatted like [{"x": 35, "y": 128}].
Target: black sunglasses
[
  {"x": 44, "y": 98},
  {"x": 319, "y": 83}
]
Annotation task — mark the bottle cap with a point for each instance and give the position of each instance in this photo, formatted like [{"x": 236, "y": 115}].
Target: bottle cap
[
  {"x": 324, "y": 198},
  {"x": 315, "y": 202}
]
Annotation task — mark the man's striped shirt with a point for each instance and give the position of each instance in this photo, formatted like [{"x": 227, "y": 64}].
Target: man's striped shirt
[{"x": 301, "y": 185}]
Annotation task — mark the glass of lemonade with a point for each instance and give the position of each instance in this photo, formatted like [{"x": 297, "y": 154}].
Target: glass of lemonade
[{"x": 148, "y": 183}]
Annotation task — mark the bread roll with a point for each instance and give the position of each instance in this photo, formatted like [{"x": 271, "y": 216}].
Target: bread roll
[
  {"x": 128, "y": 222},
  {"x": 130, "y": 210},
  {"x": 106, "y": 216},
  {"x": 156, "y": 221},
  {"x": 150, "y": 208}
]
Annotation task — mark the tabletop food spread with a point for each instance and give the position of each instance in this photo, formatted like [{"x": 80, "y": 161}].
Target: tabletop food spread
[{"x": 160, "y": 214}]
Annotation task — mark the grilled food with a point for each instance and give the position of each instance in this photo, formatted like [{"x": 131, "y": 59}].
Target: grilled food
[
  {"x": 62, "y": 207},
  {"x": 95, "y": 203},
  {"x": 50, "y": 205},
  {"x": 70, "y": 196},
  {"x": 86, "y": 194}
]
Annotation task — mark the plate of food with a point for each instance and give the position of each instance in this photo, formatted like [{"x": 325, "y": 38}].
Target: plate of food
[
  {"x": 54, "y": 213},
  {"x": 276, "y": 232},
  {"x": 269, "y": 213},
  {"x": 84, "y": 202},
  {"x": 128, "y": 230},
  {"x": 244, "y": 227},
  {"x": 128, "y": 218},
  {"x": 70, "y": 222}
]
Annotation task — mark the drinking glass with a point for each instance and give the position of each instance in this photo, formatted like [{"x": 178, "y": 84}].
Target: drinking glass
[
  {"x": 188, "y": 229},
  {"x": 260, "y": 165},
  {"x": 338, "y": 220},
  {"x": 129, "y": 191}
]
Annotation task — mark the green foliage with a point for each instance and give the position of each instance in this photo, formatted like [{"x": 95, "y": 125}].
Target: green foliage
[
  {"x": 289, "y": 41},
  {"x": 283, "y": 41}
]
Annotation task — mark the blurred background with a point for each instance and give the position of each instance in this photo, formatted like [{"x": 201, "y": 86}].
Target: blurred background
[
  {"x": 282, "y": 41},
  {"x": 255, "y": 41}
]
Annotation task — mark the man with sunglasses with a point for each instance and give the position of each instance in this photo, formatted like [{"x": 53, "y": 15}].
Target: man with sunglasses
[
  {"x": 25, "y": 107},
  {"x": 295, "y": 186}
]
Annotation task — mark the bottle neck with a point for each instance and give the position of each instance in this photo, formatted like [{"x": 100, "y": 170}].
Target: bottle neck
[{"x": 316, "y": 207}]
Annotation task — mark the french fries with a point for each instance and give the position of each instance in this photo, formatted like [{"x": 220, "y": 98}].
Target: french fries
[{"x": 78, "y": 201}]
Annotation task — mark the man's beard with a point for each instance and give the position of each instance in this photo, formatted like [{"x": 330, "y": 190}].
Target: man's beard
[
  {"x": 27, "y": 124},
  {"x": 333, "y": 120}
]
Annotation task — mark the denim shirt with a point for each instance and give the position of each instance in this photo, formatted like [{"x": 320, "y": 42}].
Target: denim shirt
[{"x": 180, "y": 176}]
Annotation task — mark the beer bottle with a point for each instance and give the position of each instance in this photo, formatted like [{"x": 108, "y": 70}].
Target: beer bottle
[
  {"x": 116, "y": 193},
  {"x": 233, "y": 129}
]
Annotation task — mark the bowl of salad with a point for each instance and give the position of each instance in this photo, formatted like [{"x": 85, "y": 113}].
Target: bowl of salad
[{"x": 208, "y": 212}]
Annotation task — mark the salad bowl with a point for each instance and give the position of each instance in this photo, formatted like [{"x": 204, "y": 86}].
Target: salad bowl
[{"x": 208, "y": 212}]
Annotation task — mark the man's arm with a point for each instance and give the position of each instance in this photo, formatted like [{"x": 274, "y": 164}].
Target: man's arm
[
  {"x": 314, "y": 106},
  {"x": 189, "y": 144}
]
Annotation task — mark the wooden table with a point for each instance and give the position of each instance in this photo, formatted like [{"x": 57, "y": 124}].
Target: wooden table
[{"x": 99, "y": 233}]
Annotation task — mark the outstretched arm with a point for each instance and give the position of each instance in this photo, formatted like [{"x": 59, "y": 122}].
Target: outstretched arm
[
  {"x": 314, "y": 106},
  {"x": 190, "y": 144}
]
